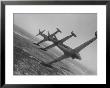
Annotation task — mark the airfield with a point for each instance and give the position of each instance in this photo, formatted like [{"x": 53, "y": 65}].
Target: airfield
[{"x": 27, "y": 58}]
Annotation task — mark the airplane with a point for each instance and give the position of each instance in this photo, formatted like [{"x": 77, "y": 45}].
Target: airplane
[
  {"x": 56, "y": 41},
  {"x": 40, "y": 32},
  {"x": 69, "y": 52},
  {"x": 48, "y": 37}
]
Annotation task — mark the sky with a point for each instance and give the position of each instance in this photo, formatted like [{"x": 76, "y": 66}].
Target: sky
[{"x": 84, "y": 26}]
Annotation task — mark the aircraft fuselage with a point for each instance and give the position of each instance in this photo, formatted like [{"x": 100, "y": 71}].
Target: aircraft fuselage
[
  {"x": 49, "y": 38},
  {"x": 67, "y": 50}
]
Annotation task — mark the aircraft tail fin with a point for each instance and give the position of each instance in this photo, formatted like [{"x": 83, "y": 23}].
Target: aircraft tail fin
[
  {"x": 73, "y": 34},
  {"x": 40, "y": 32},
  {"x": 48, "y": 33},
  {"x": 55, "y": 37},
  {"x": 58, "y": 30}
]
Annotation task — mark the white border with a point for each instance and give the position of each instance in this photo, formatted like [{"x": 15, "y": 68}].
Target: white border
[{"x": 100, "y": 78}]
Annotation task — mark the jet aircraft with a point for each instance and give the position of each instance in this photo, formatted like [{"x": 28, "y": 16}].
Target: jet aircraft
[
  {"x": 56, "y": 41},
  {"x": 69, "y": 52},
  {"x": 48, "y": 37},
  {"x": 40, "y": 32}
]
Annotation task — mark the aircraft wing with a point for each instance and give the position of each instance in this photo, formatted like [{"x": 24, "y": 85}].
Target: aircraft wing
[
  {"x": 82, "y": 46},
  {"x": 58, "y": 59},
  {"x": 66, "y": 38},
  {"x": 48, "y": 47},
  {"x": 63, "y": 40},
  {"x": 41, "y": 41}
]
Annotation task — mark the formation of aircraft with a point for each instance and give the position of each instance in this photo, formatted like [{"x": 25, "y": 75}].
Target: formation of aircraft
[
  {"x": 68, "y": 52},
  {"x": 48, "y": 37},
  {"x": 57, "y": 42}
]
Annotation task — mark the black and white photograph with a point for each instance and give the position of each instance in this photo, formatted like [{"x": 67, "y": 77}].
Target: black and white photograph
[{"x": 55, "y": 44}]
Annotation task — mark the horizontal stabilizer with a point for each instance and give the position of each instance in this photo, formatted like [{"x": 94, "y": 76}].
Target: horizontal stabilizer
[{"x": 40, "y": 32}]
